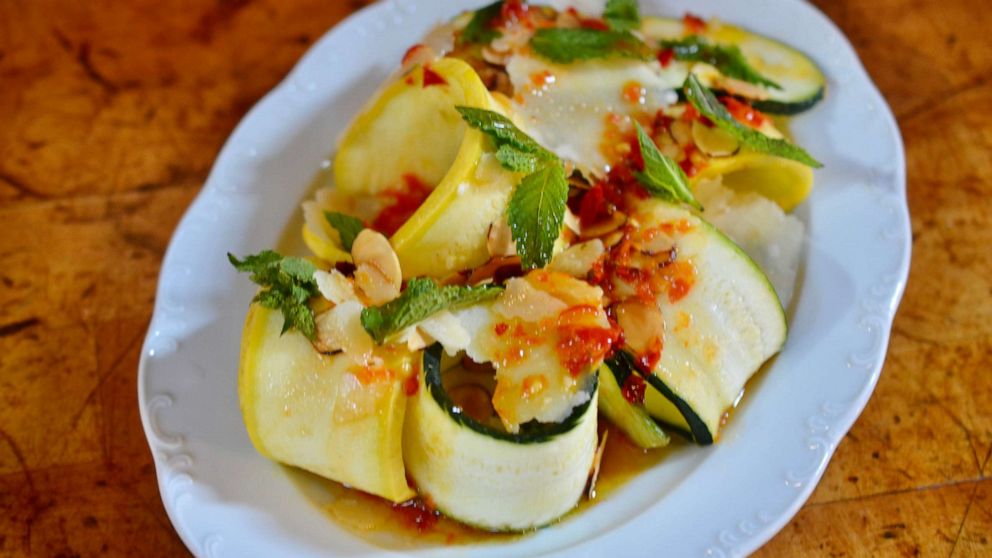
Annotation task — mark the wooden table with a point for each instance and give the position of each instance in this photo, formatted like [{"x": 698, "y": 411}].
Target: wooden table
[{"x": 111, "y": 114}]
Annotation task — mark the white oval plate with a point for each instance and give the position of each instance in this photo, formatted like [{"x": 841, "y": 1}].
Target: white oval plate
[{"x": 226, "y": 500}]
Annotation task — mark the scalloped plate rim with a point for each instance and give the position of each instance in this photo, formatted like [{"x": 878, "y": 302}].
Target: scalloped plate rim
[{"x": 842, "y": 422}]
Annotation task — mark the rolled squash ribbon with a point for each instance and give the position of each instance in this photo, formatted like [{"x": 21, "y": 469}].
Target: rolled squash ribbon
[
  {"x": 720, "y": 321},
  {"x": 411, "y": 129},
  {"x": 490, "y": 478},
  {"x": 313, "y": 411}
]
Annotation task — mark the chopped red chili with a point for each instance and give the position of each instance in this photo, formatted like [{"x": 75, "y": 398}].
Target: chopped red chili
[
  {"x": 633, "y": 389},
  {"x": 418, "y": 514},
  {"x": 665, "y": 57},
  {"x": 432, "y": 78},
  {"x": 406, "y": 200},
  {"x": 743, "y": 112},
  {"x": 693, "y": 24}
]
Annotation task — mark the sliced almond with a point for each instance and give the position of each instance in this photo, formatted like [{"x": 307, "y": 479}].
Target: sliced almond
[
  {"x": 642, "y": 324},
  {"x": 605, "y": 226},
  {"x": 681, "y": 132},
  {"x": 498, "y": 268},
  {"x": 340, "y": 329},
  {"x": 713, "y": 141},
  {"x": 500, "y": 242},
  {"x": 334, "y": 286},
  {"x": 653, "y": 242},
  {"x": 377, "y": 269}
]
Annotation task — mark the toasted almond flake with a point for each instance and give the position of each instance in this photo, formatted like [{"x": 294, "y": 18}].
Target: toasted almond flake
[
  {"x": 572, "y": 222},
  {"x": 334, "y": 286},
  {"x": 500, "y": 242},
  {"x": 377, "y": 268},
  {"x": 653, "y": 242},
  {"x": 641, "y": 323},
  {"x": 605, "y": 226},
  {"x": 341, "y": 329}
]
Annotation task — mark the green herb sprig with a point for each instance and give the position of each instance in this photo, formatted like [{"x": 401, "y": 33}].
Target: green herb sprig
[
  {"x": 622, "y": 15},
  {"x": 564, "y": 46},
  {"x": 287, "y": 285},
  {"x": 480, "y": 28},
  {"x": 708, "y": 105},
  {"x": 662, "y": 177},
  {"x": 727, "y": 59},
  {"x": 422, "y": 299},
  {"x": 536, "y": 212},
  {"x": 347, "y": 226}
]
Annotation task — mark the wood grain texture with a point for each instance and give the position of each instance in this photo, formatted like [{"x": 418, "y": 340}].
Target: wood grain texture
[{"x": 111, "y": 114}]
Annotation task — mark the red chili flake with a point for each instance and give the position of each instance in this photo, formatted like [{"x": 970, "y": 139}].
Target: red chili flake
[
  {"x": 579, "y": 346},
  {"x": 501, "y": 328},
  {"x": 410, "y": 52},
  {"x": 633, "y": 389},
  {"x": 665, "y": 57},
  {"x": 406, "y": 200},
  {"x": 514, "y": 11},
  {"x": 687, "y": 165},
  {"x": 594, "y": 23},
  {"x": 432, "y": 78},
  {"x": 694, "y": 24},
  {"x": 540, "y": 79},
  {"x": 743, "y": 112},
  {"x": 633, "y": 92},
  {"x": 651, "y": 356},
  {"x": 418, "y": 514},
  {"x": 593, "y": 206},
  {"x": 690, "y": 113},
  {"x": 412, "y": 385}
]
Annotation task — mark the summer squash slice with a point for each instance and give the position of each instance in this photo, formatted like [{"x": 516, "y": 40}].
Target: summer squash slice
[
  {"x": 801, "y": 83},
  {"x": 484, "y": 476},
  {"x": 306, "y": 409},
  {"x": 717, "y": 335},
  {"x": 413, "y": 129},
  {"x": 629, "y": 417}
]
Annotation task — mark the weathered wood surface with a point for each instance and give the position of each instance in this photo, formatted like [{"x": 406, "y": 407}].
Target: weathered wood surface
[{"x": 111, "y": 114}]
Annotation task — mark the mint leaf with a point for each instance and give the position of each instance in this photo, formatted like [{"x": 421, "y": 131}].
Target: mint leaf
[
  {"x": 347, "y": 226},
  {"x": 503, "y": 132},
  {"x": 622, "y": 15},
  {"x": 287, "y": 285},
  {"x": 568, "y": 45},
  {"x": 662, "y": 176},
  {"x": 515, "y": 160},
  {"x": 727, "y": 59},
  {"x": 537, "y": 206},
  {"x": 421, "y": 300},
  {"x": 536, "y": 214},
  {"x": 708, "y": 105},
  {"x": 481, "y": 28}
]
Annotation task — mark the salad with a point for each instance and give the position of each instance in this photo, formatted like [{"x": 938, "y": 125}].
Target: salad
[{"x": 548, "y": 219}]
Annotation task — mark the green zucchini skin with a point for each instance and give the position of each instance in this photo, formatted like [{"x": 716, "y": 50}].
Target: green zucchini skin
[
  {"x": 783, "y": 108},
  {"x": 490, "y": 479},
  {"x": 631, "y": 419},
  {"x": 735, "y": 323},
  {"x": 806, "y": 84},
  {"x": 532, "y": 432},
  {"x": 623, "y": 363}
]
